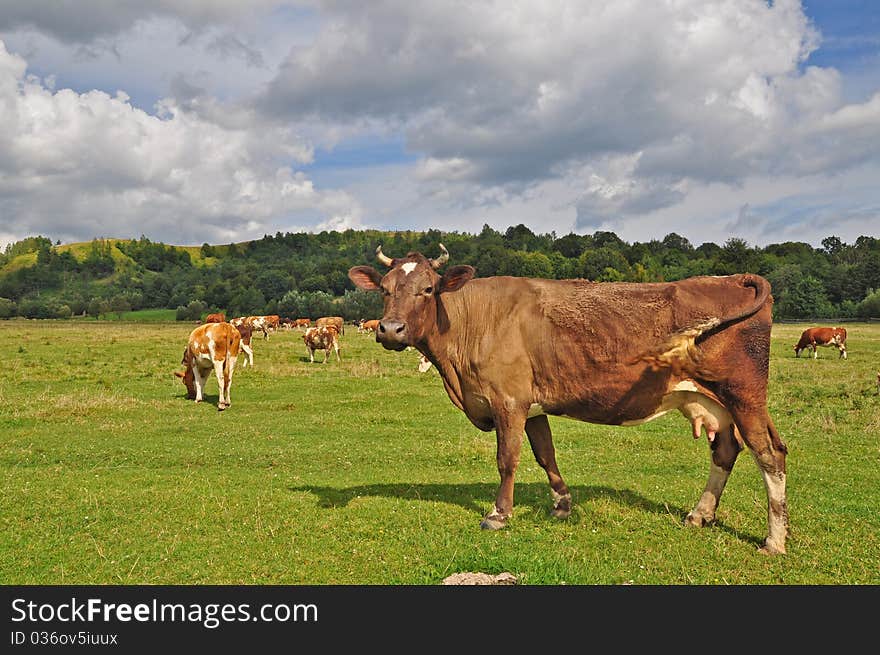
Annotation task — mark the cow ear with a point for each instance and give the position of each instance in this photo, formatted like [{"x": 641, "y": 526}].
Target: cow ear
[
  {"x": 456, "y": 277},
  {"x": 365, "y": 277}
]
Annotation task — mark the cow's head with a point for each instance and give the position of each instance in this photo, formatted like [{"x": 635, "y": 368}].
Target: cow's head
[
  {"x": 411, "y": 291},
  {"x": 186, "y": 375}
]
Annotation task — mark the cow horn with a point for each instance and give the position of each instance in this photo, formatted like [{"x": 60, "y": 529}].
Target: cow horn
[
  {"x": 385, "y": 259},
  {"x": 437, "y": 262}
]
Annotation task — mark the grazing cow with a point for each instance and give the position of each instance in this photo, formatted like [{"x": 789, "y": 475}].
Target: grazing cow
[
  {"x": 286, "y": 323},
  {"x": 219, "y": 317},
  {"x": 822, "y": 336},
  {"x": 246, "y": 331},
  {"x": 335, "y": 321},
  {"x": 303, "y": 323},
  {"x": 424, "y": 364},
  {"x": 323, "y": 338},
  {"x": 512, "y": 351},
  {"x": 210, "y": 346},
  {"x": 369, "y": 326},
  {"x": 263, "y": 323}
]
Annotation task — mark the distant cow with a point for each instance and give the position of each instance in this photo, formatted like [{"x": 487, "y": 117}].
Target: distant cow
[
  {"x": 424, "y": 364},
  {"x": 210, "y": 346},
  {"x": 263, "y": 323},
  {"x": 822, "y": 336},
  {"x": 369, "y": 326},
  {"x": 335, "y": 321},
  {"x": 246, "y": 331},
  {"x": 303, "y": 323},
  {"x": 323, "y": 338},
  {"x": 216, "y": 318},
  {"x": 512, "y": 351}
]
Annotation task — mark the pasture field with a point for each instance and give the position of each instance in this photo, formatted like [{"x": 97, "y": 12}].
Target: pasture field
[{"x": 363, "y": 473}]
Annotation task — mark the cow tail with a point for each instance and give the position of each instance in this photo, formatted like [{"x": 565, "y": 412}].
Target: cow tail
[{"x": 679, "y": 352}]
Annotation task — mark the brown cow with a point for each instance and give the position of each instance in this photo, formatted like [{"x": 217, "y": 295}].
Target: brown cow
[
  {"x": 822, "y": 336},
  {"x": 212, "y": 345},
  {"x": 219, "y": 317},
  {"x": 302, "y": 323},
  {"x": 369, "y": 326},
  {"x": 621, "y": 354},
  {"x": 323, "y": 338},
  {"x": 335, "y": 321}
]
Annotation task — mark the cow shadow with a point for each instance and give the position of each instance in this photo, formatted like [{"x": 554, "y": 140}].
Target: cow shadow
[
  {"x": 476, "y": 498},
  {"x": 207, "y": 399}
]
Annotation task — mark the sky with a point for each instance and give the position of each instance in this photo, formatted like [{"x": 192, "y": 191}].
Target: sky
[{"x": 219, "y": 121}]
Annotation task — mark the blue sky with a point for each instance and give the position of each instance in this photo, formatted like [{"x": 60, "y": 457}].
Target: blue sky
[{"x": 196, "y": 121}]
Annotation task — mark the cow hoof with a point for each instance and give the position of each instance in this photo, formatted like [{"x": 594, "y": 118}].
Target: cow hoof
[
  {"x": 770, "y": 548},
  {"x": 696, "y": 520},
  {"x": 493, "y": 521},
  {"x": 560, "y": 513},
  {"x": 562, "y": 506},
  {"x": 492, "y": 524},
  {"x": 221, "y": 407}
]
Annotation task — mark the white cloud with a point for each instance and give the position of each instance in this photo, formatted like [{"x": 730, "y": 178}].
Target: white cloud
[
  {"x": 499, "y": 97},
  {"x": 79, "y": 165},
  {"x": 639, "y": 117}
]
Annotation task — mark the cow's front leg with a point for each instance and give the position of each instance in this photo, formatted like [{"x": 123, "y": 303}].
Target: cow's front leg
[{"x": 509, "y": 426}]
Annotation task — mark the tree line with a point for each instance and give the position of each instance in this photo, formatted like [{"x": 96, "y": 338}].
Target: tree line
[{"x": 303, "y": 274}]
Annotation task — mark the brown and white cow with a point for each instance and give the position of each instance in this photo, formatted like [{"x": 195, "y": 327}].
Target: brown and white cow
[
  {"x": 246, "y": 332},
  {"x": 303, "y": 323},
  {"x": 335, "y": 321},
  {"x": 620, "y": 354},
  {"x": 323, "y": 338},
  {"x": 263, "y": 323},
  {"x": 822, "y": 336},
  {"x": 219, "y": 317},
  {"x": 210, "y": 346},
  {"x": 424, "y": 364}
]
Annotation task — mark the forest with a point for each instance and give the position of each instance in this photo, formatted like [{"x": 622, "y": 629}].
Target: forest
[{"x": 300, "y": 274}]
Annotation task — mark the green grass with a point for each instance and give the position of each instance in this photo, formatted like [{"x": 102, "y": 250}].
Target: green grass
[
  {"x": 137, "y": 316},
  {"x": 363, "y": 472}
]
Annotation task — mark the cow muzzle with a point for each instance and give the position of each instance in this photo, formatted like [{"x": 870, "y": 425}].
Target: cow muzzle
[{"x": 392, "y": 335}]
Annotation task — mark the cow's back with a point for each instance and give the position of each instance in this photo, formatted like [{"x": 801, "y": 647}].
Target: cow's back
[
  {"x": 560, "y": 329},
  {"x": 573, "y": 320}
]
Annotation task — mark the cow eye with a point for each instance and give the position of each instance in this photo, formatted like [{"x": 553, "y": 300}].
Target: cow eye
[{"x": 429, "y": 291}]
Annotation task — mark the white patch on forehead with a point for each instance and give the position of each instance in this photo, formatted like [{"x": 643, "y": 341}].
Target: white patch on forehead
[
  {"x": 408, "y": 267},
  {"x": 685, "y": 385}
]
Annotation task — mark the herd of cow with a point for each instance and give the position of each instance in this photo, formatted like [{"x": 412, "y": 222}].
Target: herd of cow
[
  {"x": 513, "y": 351},
  {"x": 216, "y": 344}
]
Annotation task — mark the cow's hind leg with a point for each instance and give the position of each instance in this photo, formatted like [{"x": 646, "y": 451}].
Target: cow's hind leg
[
  {"x": 218, "y": 372},
  {"x": 199, "y": 380},
  {"x": 229, "y": 369},
  {"x": 769, "y": 452},
  {"x": 508, "y": 430},
  {"x": 541, "y": 440},
  {"x": 725, "y": 449},
  {"x": 249, "y": 356}
]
